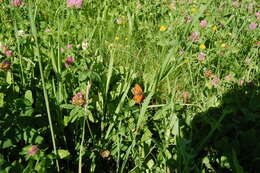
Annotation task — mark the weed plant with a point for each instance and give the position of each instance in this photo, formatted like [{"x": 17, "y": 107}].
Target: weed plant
[{"x": 129, "y": 86}]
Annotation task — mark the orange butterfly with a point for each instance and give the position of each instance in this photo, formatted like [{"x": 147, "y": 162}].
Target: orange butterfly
[{"x": 138, "y": 94}]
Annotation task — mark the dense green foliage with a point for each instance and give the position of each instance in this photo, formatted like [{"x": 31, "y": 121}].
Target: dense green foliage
[{"x": 67, "y": 78}]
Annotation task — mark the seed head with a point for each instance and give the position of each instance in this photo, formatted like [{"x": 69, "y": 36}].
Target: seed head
[
  {"x": 5, "y": 65},
  {"x": 78, "y": 99}
]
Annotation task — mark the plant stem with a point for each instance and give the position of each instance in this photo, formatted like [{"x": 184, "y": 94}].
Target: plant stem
[
  {"x": 37, "y": 54},
  {"x": 19, "y": 52},
  {"x": 84, "y": 126}
]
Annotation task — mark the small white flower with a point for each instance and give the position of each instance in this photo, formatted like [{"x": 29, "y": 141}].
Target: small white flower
[
  {"x": 47, "y": 30},
  {"x": 21, "y": 33},
  {"x": 84, "y": 45}
]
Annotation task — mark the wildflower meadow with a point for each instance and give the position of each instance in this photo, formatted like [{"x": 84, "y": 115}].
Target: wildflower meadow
[{"x": 115, "y": 86}]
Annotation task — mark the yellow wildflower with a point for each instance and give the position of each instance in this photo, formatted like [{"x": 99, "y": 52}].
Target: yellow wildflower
[
  {"x": 186, "y": 60},
  {"x": 214, "y": 28},
  {"x": 121, "y": 21},
  {"x": 117, "y": 38},
  {"x": 193, "y": 10},
  {"x": 163, "y": 28},
  {"x": 202, "y": 46},
  {"x": 223, "y": 45}
]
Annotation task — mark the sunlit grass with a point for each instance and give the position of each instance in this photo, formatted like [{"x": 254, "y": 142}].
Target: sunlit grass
[{"x": 187, "y": 57}]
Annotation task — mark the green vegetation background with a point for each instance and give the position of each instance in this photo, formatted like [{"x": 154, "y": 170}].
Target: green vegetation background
[{"x": 201, "y": 111}]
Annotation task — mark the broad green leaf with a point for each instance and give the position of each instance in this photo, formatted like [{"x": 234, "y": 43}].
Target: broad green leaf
[
  {"x": 17, "y": 89},
  {"x": 95, "y": 77},
  {"x": 39, "y": 140},
  {"x": 83, "y": 75},
  {"x": 160, "y": 113},
  {"x": 29, "y": 111},
  {"x": 224, "y": 162},
  {"x": 206, "y": 162},
  {"x": 174, "y": 124},
  {"x": 2, "y": 95},
  {"x": 7, "y": 143},
  {"x": 9, "y": 77},
  {"x": 90, "y": 116},
  {"x": 147, "y": 135},
  {"x": 76, "y": 113},
  {"x": 52, "y": 156},
  {"x": 2, "y": 160},
  {"x": 63, "y": 153},
  {"x": 150, "y": 164},
  {"x": 66, "y": 120},
  {"x": 28, "y": 96},
  {"x": 168, "y": 154},
  {"x": 67, "y": 106}
]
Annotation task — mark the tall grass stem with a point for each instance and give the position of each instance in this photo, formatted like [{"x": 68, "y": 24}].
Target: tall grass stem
[
  {"x": 37, "y": 54},
  {"x": 84, "y": 126}
]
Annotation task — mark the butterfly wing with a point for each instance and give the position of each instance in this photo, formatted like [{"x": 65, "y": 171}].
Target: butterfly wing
[
  {"x": 138, "y": 94},
  {"x": 138, "y": 98},
  {"x": 137, "y": 90}
]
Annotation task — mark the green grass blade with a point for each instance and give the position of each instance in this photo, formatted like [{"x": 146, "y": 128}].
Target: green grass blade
[{"x": 37, "y": 54}]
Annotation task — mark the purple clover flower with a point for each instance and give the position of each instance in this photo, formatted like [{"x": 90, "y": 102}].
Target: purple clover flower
[
  {"x": 17, "y": 3},
  {"x": 33, "y": 150},
  {"x": 74, "y": 3}
]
